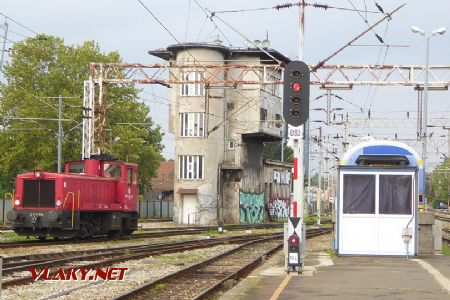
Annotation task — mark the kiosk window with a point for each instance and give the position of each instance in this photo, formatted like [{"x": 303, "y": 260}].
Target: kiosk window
[
  {"x": 359, "y": 194},
  {"x": 395, "y": 194}
]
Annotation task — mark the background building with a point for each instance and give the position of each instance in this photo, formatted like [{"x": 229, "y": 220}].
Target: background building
[
  {"x": 220, "y": 130},
  {"x": 163, "y": 183},
  {"x": 158, "y": 202}
]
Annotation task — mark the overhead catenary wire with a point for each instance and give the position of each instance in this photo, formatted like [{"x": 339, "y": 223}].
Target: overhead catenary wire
[
  {"x": 195, "y": 59},
  {"x": 211, "y": 19},
  {"x": 294, "y": 4},
  {"x": 187, "y": 21},
  {"x": 243, "y": 36},
  {"x": 321, "y": 63},
  {"x": 379, "y": 38},
  {"x": 378, "y": 60},
  {"x": 18, "y": 23}
]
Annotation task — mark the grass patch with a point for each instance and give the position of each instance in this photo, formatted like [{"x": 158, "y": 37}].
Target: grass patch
[
  {"x": 445, "y": 250},
  {"x": 13, "y": 237},
  {"x": 160, "y": 286},
  {"x": 178, "y": 256},
  {"x": 213, "y": 233}
]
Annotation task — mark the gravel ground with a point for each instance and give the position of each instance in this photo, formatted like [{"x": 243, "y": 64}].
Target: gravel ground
[
  {"x": 139, "y": 271},
  {"x": 322, "y": 243},
  {"x": 111, "y": 244},
  {"x": 159, "y": 224}
]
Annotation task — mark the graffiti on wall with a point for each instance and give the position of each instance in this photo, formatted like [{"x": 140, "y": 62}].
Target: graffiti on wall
[
  {"x": 278, "y": 208},
  {"x": 281, "y": 176},
  {"x": 251, "y": 207}
]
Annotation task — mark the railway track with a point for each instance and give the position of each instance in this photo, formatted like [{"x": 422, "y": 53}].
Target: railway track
[
  {"x": 204, "y": 279},
  {"x": 153, "y": 233},
  {"x": 107, "y": 257},
  {"x": 445, "y": 239},
  {"x": 445, "y": 219},
  {"x": 23, "y": 262}
]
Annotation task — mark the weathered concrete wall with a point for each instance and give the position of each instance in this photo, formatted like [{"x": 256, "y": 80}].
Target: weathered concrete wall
[
  {"x": 426, "y": 239},
  {"x": 241, "y": 108},
  {"x": 211, "y": 147}
]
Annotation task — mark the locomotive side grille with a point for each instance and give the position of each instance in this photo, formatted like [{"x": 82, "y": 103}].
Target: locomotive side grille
[{"x": 38, "y": 193}]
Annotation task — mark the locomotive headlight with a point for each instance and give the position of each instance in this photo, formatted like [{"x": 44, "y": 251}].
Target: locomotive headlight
[
  {"x": 58, "y": 203},
  {"x": 37, "y": 174},
  {"x": 17, "y": 202}
]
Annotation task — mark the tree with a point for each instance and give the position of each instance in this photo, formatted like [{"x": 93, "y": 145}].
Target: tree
[
  {"x": 439, "y": 179},
  {"x": 272, "y": 150},
  {"x": 43, "y": 67}
]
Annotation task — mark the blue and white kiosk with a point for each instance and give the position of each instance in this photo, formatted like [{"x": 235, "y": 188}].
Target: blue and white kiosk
[{"x": 378, "y": 198}]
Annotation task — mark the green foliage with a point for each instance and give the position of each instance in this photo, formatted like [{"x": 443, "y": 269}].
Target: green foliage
[
  {"x": 435, "y": 203},
  {"x": 43, "y": 67},
  {"x": 272, "y": 150},
  {"x": 445, "y": 250},
  {"x": 439, "y": 187}
]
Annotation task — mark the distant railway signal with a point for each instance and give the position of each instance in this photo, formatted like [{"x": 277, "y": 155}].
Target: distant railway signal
[{"x": 296, "y": 93}]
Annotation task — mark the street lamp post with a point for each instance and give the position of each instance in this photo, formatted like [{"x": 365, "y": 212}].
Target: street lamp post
[{"x": 441, "y": 31}]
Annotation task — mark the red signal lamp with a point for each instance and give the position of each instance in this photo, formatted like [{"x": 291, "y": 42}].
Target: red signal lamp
[
  {"x": 296, "y": 87},
  {"x": 294, "y": 240}
]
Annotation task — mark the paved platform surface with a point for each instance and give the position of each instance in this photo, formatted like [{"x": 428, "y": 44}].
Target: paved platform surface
[{"x": 424, "y": 277}]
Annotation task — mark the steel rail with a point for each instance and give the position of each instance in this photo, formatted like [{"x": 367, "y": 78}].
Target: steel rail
[
  {"x": 154, "y": 233},
  {"x": 206, "y": 294},
  {"x": 24, "y": 262},
  {"x": 122, "y": 255}
]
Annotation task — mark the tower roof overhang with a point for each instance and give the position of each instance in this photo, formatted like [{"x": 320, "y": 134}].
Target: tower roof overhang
[{"x": 171, "y": 51}]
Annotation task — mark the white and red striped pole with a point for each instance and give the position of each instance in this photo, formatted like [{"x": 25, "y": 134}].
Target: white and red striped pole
[
  {"x": 299, "y": 172},
  {"x": 298, "y": 178}
]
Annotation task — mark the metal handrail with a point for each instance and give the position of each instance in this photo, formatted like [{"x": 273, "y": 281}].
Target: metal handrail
[{"x": 73, "y": 203}]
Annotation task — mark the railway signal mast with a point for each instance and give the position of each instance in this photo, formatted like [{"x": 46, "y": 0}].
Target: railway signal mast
[{"x": 296, "y": 113}]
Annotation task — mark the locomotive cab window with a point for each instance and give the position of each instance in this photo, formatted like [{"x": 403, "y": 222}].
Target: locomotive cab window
[
  {"x": 111, "y": 171},
  {"x": 77, "y": 167},
  {"x": 131, "y": 176}
]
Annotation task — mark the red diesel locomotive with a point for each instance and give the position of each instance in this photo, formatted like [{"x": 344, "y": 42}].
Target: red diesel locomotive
[{"x": 97, "y": 196}]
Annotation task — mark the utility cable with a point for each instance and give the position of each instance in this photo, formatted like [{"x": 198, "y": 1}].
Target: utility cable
[
  {"x": 290, "y": 5},
  {"x": 379, "y": 38},
  {"x": 18, "y": 23},
  {"x": 187, "y": 21},
  {"x": 321, "y": 63},
  {"x": 216, "y": 27},
  {"x": 195, "y": 60}
]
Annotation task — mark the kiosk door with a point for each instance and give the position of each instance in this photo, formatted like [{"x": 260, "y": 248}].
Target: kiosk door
[{"x": 374, "y": 207}]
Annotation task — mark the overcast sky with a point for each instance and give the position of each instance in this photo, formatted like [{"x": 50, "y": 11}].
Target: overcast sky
[{"x": 127, "y": 27}]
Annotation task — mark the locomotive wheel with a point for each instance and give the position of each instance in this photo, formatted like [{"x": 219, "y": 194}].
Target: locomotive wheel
[
  {"x": 128, "y": 231},
  {"x": 115, "y": 233}
]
